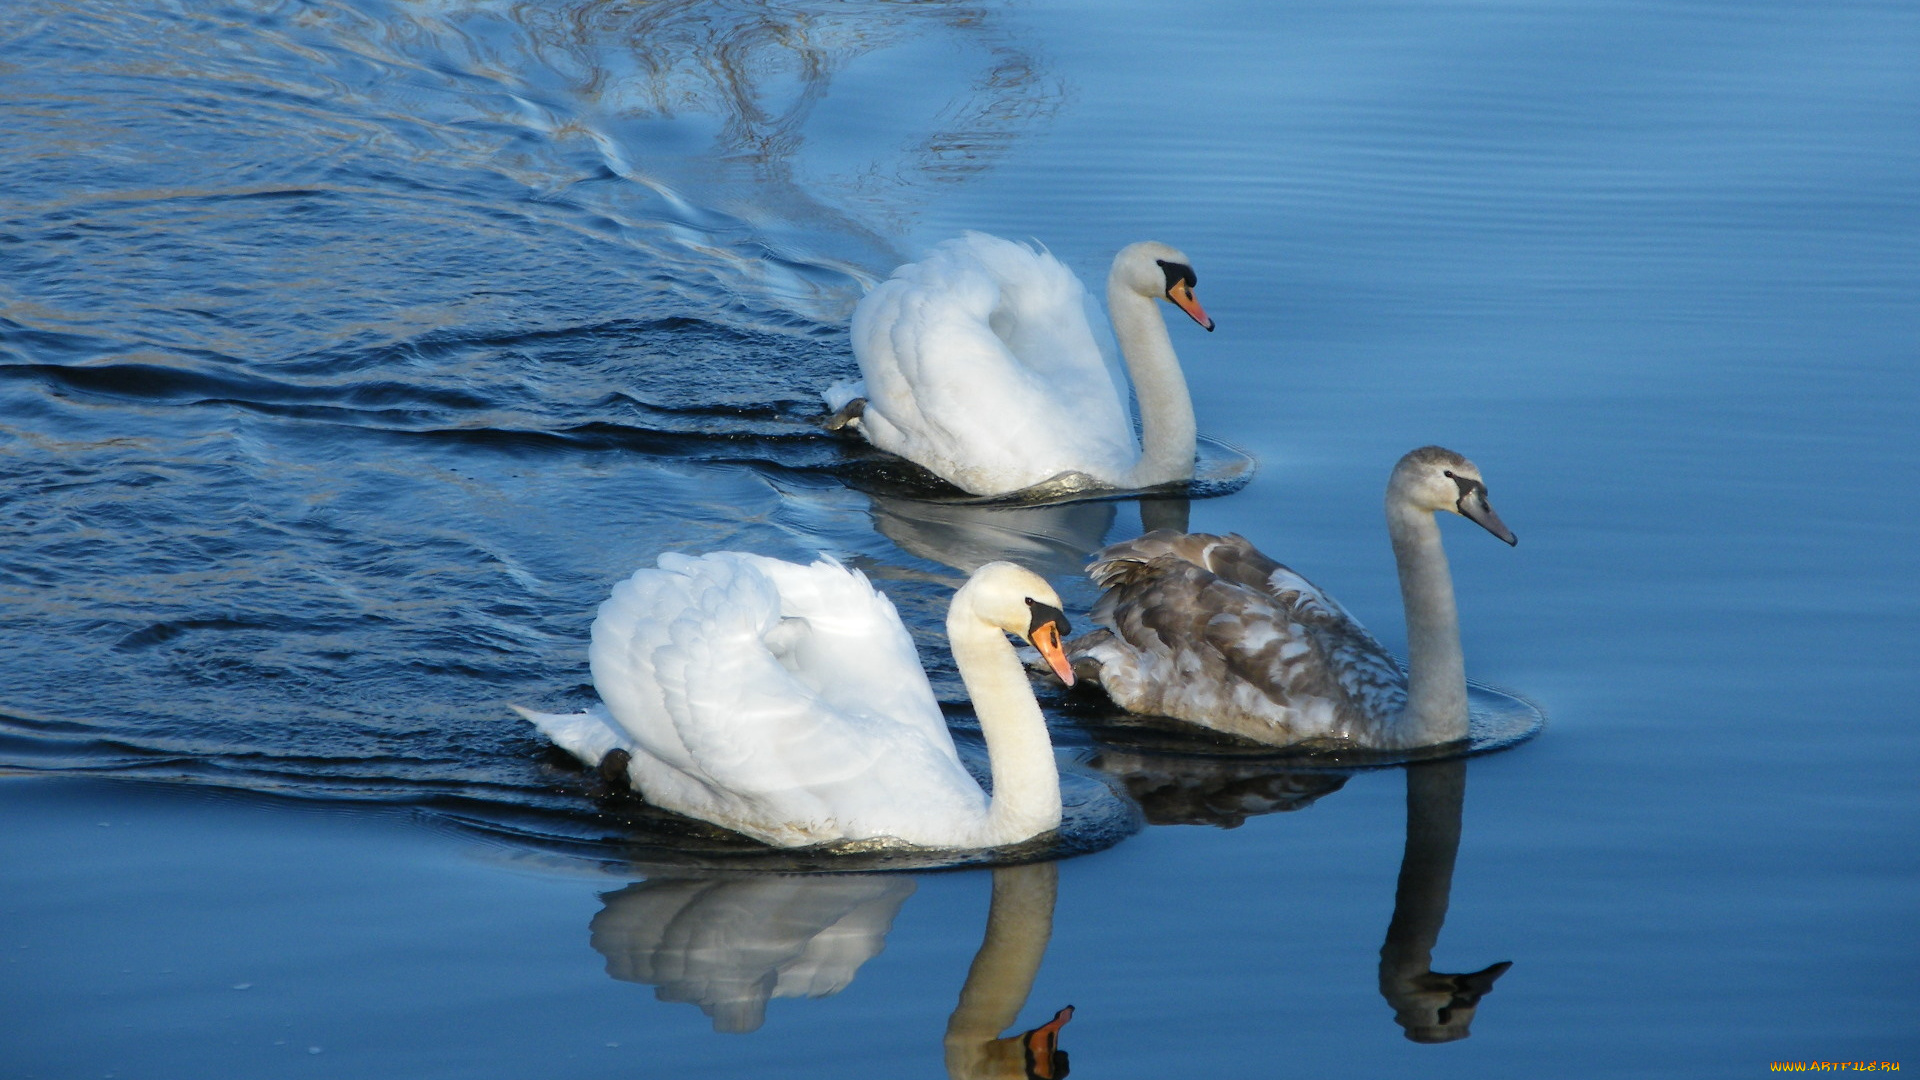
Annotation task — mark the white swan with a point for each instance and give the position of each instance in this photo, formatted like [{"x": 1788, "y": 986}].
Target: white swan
[
  {"x": 978, "y": 363},
  {"x": 1208, "y": 630},
  {"x": 786, "y": 702}
]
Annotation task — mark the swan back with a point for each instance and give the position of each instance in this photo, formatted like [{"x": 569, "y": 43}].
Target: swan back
[
  {"x": 1209, "y": 629},
  {"x": 980, "y": 363},
  {"x": 1029, "y": 299},
  {"x": 783, "y": 701},
  {"x": 750, "y": 624}
]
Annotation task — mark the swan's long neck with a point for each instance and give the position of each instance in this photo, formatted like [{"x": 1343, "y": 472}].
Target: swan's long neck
[
  {"x": 1026, "y": 782},
  {"x": 1436, "y": 709},
  {"x": 1167, "y": 441}
]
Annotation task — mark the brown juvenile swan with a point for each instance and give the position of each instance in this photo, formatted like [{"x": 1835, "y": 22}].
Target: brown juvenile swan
[{"x": 1208, "y": 630}]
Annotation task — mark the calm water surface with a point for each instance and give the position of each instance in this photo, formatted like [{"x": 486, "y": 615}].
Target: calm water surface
[{"x": 349, "y": 351}]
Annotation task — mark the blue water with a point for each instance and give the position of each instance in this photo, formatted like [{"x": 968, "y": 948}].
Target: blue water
[{"x": 350, "y": 351}]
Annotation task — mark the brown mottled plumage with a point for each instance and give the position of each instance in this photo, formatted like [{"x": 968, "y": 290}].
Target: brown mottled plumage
[{"x": 1206, "y": 628}]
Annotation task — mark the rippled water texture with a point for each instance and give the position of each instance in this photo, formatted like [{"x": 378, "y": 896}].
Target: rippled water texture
[{"x": 350, "y": 351}]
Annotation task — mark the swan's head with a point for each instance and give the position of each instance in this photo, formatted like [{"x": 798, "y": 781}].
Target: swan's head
[
  {"x": 1155, "y": 270},
  {"x": 1020, "y": 602},
  {"x": 1435, "y": 478}
]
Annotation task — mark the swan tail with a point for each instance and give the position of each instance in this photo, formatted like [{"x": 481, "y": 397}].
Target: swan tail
[
  {"x": 843, "y": 393},
  {"x": 846, "y": 419},
  {"x": 589, "y": 736}
]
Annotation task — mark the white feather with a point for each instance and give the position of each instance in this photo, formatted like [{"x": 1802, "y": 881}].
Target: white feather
[
  {"x": 980, "y": 363},
  {"x": 782, "y": 701}
]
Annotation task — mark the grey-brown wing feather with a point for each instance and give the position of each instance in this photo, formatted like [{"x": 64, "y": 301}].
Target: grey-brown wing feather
[
  {"x": 1364, "y": 668},
  {"x": 1230, "y": 557},
  {"x": 1209, "y": 629}
]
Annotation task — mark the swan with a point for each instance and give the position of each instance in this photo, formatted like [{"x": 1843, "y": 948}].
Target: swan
[
  {"x": 1208, "y": 630},
  {"x": 978, "y": 362},
  {"x": 786, "y": 702}
]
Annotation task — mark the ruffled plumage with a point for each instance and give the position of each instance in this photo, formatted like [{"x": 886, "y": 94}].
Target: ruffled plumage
[
  {"x": 787, "y": 703},
  {"x": 782, "y": 701},
  {"x": 1208, "y": 629},
  {"x": 980, "y": 363}
]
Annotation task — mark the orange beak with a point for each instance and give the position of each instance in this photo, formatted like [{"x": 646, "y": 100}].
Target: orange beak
[
  {"x": 1046, "y": 638},
  {"x": 1182, "y": 296}
]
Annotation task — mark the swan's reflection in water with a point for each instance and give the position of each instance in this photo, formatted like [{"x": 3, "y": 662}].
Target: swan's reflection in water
[
  {"x": 1430, "y": 1006},
  {"x": 1187, "y": 791},
  {"x": 1019, "y": 922},
  {"x": 1169, "y": 512},
  {"x": 731, "y": 944},
  {"x": 1052, "y": 540}
]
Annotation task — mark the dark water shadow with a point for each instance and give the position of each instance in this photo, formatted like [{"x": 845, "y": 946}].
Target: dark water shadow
[
  {"x": 563, "y": 812},
  {"x": 1219, "y": 469},
  {"x": 673, "y": 149}
]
